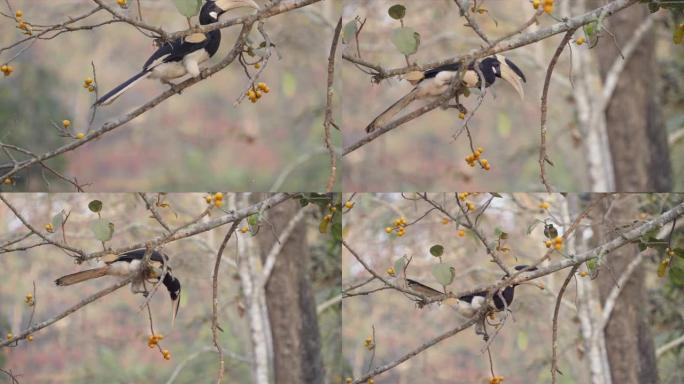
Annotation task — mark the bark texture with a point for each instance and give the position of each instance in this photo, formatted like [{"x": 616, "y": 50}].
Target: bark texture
[
  {"x": 629, "y": 343},
  {"x": 637, "y": 134},
  {"x": 291, "y": 304}
]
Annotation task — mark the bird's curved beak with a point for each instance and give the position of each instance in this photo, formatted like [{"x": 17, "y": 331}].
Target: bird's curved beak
[
  {"x": 175, "y": 304},
  {"x": 509, "y": 74},
  {"x": 227, "y": 5}
]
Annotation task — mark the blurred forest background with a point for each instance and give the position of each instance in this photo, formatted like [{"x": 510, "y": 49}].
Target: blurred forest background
[
  {"x": 106, "y": 341},
  {"x": 194, "y": 141},
  {"x": 522, "y": 350},
  {"x": 422, "y": 154}
]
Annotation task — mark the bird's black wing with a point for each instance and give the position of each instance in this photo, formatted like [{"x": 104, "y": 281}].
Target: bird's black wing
[
  {"x": 177, "y": 49},
  {"x": 430, "y": 73},
  {"x": 138, "y": 254}
]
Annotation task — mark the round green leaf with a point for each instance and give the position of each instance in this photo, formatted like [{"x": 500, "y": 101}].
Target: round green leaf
[
  {"x": 103, "y": 229},
  {"x": 437, "y": 250},
  {"x": 57, "y": 220},
  {"x": 349, "y": 31},
  {"x": 188, "y": 8},
  {"x": 397, "y": 12},
  {"x": 406, "y": 40},
  {"x": 443, "y": 273},
  {"x": 399, "y": 264},
  {"x": 95, "y": 206}
]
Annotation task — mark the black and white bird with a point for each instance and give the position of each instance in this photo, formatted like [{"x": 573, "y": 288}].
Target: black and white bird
[
  {"x": 434, "y": 82},
  {"x": 183, "y": 56},
  {"x": 129, "y": 263},
  {"x": 469, "y": 305}
]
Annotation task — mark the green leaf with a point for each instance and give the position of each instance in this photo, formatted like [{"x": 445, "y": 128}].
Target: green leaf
[
  {"x": 443, "y": 273},
  {"x": 336, "y": 230},
  {"x": 677, "y": 271},
  {"x": 500, "y": 234},
  {"x": 103, "y": 229},
  {"x": 437, "y": 250},
  {"x": 188, "y": 8},
  {"x": 642, "y": 246},
  {"x": 591, "y": 265},
  {"x": 95, "y": 206},
  {"x": 57, "y": 220},
  {"x": 679, "y": 252},
  {"x": 523, "y": 341},
  {"x": 349, "y": 31},
  {"x": 406, "y": 40},
  {"x": 399, "y": 264},
  {"x": 397, "y": 12}
]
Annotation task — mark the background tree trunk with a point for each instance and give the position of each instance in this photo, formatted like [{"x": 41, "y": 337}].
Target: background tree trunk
[
  {"x": 629, "y": 343},
  {"x": 296, "y": 338},
  {"x": 638, "y": 139}
]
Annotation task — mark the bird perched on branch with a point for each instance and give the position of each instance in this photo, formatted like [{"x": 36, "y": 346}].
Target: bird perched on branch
[
  {"x": 469, "y": 305},
  {"x": 183, "y": 56},
  {"x": 129, "y": 263},
  {"x": 434, "y": 82}
]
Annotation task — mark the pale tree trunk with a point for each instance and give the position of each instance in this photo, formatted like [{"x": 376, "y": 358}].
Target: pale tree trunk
[
  {"x": 637, "y": 135},
  {"x": 249, "y": 267},
  {"x": 587, "y": 304},
  {"x": 629, "y": 343},
  {"x": 290, "y": 301}
]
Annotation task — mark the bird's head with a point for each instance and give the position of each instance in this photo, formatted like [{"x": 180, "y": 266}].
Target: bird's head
[
  {"x": 499, "y": 66},
  {"x": 213, "y": 9}
]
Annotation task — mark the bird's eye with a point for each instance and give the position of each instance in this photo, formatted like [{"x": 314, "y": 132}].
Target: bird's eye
[{"x": 213, "y": 15}]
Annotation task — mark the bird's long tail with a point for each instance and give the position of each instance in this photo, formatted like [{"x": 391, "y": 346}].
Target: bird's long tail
[
  {"x": 123, "y": 87},
  {"x": 392, "y": 111},
  {"x": 82, "y": 276}
]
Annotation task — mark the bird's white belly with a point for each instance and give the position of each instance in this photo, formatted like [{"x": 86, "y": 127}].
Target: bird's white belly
[
  {"x": 437, "y": 85},
  {"x": 122, "y": 268},
  {"x": 176, "y": 69}
]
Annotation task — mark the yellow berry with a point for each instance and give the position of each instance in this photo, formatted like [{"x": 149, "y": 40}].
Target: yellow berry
[
  {"x": 461, "y": 233},
  {"x": 476, "y": 155},
  {"x": 558, "y": 240},
  {"x": 388, "y": 229},
  {"x": 349, "y": 204},
  {"x": 7, "y": 181},
  {"x": 80, "y": 135},
  {"x": 19, "y": 13},
  {"x": 558, "y": 246},
  {"x": 548, "y": 243},
  {"x": 480, "y": 149},
  {"x": 49, "y": 227},
  {"x": 584, "y": 274},
  {"x": 401, "y": 232},
  {"x": 348, "y": 380},
  {"x": 122, "y": 3},
  {"x": 257, "y": 65},
  {"x": 445, "y": 221},
  {"x": 91, "y": 88},
  {"x": 166, "y": 354},
  {"x": 580, "y": 40},
  {"x": 29, "y": 337},
  {"x": 207, "y": 199},
  {"x": 548, "y": 8},
  {"x": 66, "y": 123},
  {"x": 461, "y": 115},
  {"x": 218, "y": 196},
  {"x": 88, "y": 81},
  {"x": 218, "y": 204},
  {"x": 244, "y": 229},
  {"x": 333, "y": 209},
  {"x": 10, "y": 336},
  {"x": 535, "y": 3},
  {"x": 371, "y": 381},
  {"x": 470, "y": 206},
  {"x": 390, "y": 271},
  {"x": 327, "y": 217}
]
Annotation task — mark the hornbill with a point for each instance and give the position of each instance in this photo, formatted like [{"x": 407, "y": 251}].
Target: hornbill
[
  {"x": 434, "y": 82},
  {"x": 129, "y": 263},
  {"x": 182, "y": 56},
  {"x": 468, "y": 305}
]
